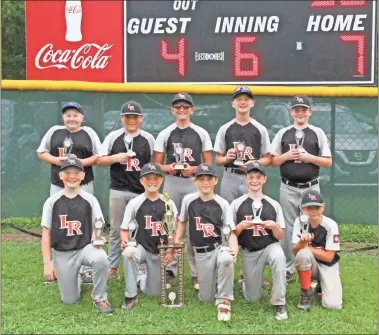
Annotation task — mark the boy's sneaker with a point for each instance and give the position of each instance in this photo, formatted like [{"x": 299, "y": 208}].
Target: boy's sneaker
[
  {"x": 224, "y": 311},
  {"x": 280, "y": 312},
  {"x": 305, "y": 300},
  {"x": 113, "y": 274},
  {"x": 86, "y": 278},
  {"x": 289, "y": 277},
  {"x": 129, "y": 303},
  {"x": 103, "y": 307},
  {"x": 195, "y": 283}
]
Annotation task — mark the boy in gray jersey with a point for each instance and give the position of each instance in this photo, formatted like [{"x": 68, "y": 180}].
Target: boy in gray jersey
[
  {"x": 67, "y": 221},
  {"x": 300, "y": 150},
  {"x": 316, "y": 242},
  {"x": 195, "y": 146},
  {"x": 239, "y": 142},
  {"x": 259, "y": 227},
  {"x": 211, "y": 233}
]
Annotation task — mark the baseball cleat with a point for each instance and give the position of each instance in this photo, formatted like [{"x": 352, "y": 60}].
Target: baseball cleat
[
  {"x": 305, "y": 300},
  {"x": 195, "y": 283},
  {"x": 280, "y": 312},
  {"x": 87, "y": 278},
  {"x": 113, "y": 274},
  {"x": 223, "y": 311},
  {"x": 103, "y": 306},
  {"x": 129, "y": 303},
  {"x": 289, "y": 277}
]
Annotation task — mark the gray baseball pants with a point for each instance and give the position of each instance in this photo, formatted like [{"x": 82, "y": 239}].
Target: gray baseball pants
[
  {"x": 86, "y": 187},
  {"x": 253, "y": 265},
  {"x": 131, "y": 272},
  {"x": 177, "y": 188},
  {"x": 117, "y": 204},
  {"x": 67, "y": 265},
  {"x": 232, "y": 186},
  {"x": 290, "y": 199},
  {"x": 207, "y": 265},
  {"x": 329, "y": 277}
]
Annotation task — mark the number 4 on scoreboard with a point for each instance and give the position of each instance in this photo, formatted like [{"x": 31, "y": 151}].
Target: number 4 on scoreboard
[{"x": 178, "y": 56}]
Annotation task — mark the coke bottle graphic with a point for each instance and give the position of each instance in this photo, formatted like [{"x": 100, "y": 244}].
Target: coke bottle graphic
[{"x": 73, "y": 14}]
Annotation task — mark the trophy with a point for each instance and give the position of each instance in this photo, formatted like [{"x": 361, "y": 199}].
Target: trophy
[
  {"x": 257, "y": 210},
  {"x": 226, "y": 231},
  {"x": 293, "y": 146},
  {"x": 128, "y": 141},
  {"x": 67, "y": 147},
  {"x": 240, "y": 148},
  {"x": 304, "y": 224},
  {"x": 131, "y": 247},
  {"x": 99, "y": 238},
  {"x": 178, "y": 151},
  {"x": 299, "y": 136},
  {"x": 169, "y": 227}
]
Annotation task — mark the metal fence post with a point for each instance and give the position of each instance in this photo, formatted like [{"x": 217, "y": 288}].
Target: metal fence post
[{"x": 332, "y": 149}]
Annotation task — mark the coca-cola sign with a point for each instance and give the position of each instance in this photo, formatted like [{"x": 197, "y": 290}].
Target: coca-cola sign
[{"x": 74, "y": 41}]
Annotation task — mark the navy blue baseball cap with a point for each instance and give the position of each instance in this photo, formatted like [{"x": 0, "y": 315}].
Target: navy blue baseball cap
[
  {"x": 242, "y": 90},
  {"x": 151, "y": 168},
  {"x": 254, "y": 167},
  {"x": 205, "y": 169},
  {"x": 72, "y": 161},
  {"x": 301, "y": 100},
  {"x": 131, "y": 108},
  {"x": 182, "y": 97},
  {"x": 70, "y": 105},
  {"x": 311, "y": 198}
]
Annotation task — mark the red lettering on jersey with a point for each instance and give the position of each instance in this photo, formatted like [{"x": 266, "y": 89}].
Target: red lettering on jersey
[
  {"x": 208, "y": 230},
  {"x": 157, "y": 227},
  {"x": 249, "y": 153},
  {"x": 187, "y": 153},
  {"x": 336, "y": 238},
  {"x": 132, "y": 163},
  {"x": 148, "y": 223},
  {"x": 259, "y": 228},
  {"x": 71, "y": 226}
]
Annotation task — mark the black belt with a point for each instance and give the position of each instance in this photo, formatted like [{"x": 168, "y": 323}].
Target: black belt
[
  {"x": 207, "y": 248},
  {"x": 250, "y": 249},
  {"x": 300, "y": 185},
  {"x": 234, "y": 170}
]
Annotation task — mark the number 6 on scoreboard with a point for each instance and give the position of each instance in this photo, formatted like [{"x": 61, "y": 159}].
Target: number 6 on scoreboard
[{"x": 240, "y": 56}]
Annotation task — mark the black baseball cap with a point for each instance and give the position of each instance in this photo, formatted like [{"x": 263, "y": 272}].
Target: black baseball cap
[
  {"x": 301, "y": 100},
  {"x": 182, "y": 97},
  {"x": 311, "y": 198},
  {"x": 205, "y": 169},
  {"x": 131, "y": 108},
  {"x": 242, "y": 90},
  {"x": 73, "y": 105},
  {"x": 255, "y": 166},
  {"x": 151, "y": 168},
  {"x": 72, "y": 161}
]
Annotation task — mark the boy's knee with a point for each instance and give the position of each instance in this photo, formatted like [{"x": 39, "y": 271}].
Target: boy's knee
[
  {"x": 330, "y": 304},
  {"x": 70, "y": 300}
]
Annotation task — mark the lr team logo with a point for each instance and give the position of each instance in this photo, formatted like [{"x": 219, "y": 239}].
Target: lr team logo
[
  {"x": 132, "y": 163},
  {"x": 155, "y": 226},
  {"x": 247, "y": 153},
  {"x": 71, "y": 226},
  {"x": 256, "y": 227},
  {"x": 207, "y": 228}
]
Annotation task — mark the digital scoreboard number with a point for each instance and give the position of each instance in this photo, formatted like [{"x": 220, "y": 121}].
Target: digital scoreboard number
[{"x": 256, "y": 42}]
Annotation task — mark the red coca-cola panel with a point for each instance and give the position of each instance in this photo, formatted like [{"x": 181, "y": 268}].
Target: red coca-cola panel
[{"x": 74, "y": 40}]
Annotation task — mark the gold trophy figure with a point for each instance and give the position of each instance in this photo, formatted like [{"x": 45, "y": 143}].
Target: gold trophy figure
[
  {"x": 240, "y": 148},
  {"x": 178, "y": 152},
  {"x": 226, "y": 231},
  {"x": 99, "y": 238},
  {"x": 131, "y": 247},
  {"x": 169, "y": 227}
]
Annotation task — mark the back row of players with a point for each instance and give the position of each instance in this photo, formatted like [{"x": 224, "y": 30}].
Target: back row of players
[{"x": 299, "y": 174}]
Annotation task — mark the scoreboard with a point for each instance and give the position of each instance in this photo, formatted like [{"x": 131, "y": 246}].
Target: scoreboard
[{"x": 253, "y": 42}]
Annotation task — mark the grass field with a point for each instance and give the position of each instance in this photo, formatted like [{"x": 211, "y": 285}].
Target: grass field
[{"x": 29, "y": 306}]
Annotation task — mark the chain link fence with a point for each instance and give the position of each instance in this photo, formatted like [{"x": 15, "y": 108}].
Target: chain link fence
[{"x": 350, "y": 187}]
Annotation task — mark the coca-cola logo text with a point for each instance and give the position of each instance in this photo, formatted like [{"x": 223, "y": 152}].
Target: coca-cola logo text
[
  {"x": 74, "y": 9},
  {"x": 74, "y": 59}
]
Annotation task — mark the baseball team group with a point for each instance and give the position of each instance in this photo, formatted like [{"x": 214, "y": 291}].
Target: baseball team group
[{"x": 291, "y": 236}]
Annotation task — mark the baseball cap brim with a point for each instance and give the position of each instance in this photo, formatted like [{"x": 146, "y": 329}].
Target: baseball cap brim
[
  {"x": 72, "y": 107},
  {"x": 205, "y": 173},
  {"x": 301, "y": 105},
  {"x": 185, "y": 100},
  {"x": 72, "y": 165},
  {"x": 246, "y": 93},
  {"x": 131, "y": 113},
  {"x": 317, "y": 204},
  {"x": 256, "y": 170},
  {"x": 152, "y": 172}
]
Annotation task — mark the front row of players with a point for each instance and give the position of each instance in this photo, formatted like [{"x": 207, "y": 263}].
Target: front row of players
[{"x": 255, "y": 220}]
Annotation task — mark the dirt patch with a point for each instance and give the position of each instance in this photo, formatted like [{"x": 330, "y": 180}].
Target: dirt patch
[
  {"x": 350, "y": 247},
  {"x": 16, "y": 236}
]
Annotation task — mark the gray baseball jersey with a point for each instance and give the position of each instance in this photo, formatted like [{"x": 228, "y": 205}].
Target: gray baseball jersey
[{"x": 86, "y": 143}]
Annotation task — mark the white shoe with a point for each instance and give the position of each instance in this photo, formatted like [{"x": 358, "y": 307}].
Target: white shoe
[{"x": 224, "y": 312}]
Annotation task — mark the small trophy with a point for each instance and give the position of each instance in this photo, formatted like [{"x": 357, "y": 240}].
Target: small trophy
[
  {"x": 178, "y": 152},
  {"x": 304, "y": 224},
  {"x": 293, "y": 146},
  {"x": 169, "y": 227},
  {"x": 257, "y": 210},
  {"x": 67, "y": 147},
  {"x": 128, "y": 141},
  {"x": 99, "y": 238},
  {"x": 299, "y": 136},
  {"x": 131, "y": 247},
  {"x": 226, "y": 231},
  {"x": 240, "y": 148}
]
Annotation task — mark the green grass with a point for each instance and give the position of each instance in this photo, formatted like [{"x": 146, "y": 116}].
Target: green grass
[{"x": 28, "y": 306}]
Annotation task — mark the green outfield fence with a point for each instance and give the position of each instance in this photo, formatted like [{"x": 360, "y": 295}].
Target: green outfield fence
[{"x": 350, "y": 187}]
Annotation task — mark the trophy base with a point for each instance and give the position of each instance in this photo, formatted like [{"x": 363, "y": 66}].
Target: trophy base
[
  {"x": 224, "y": 248},
  {"x": 257, "y": 222},
  {"x": 298, "y": 162},
  {"x": 301, "y": 150},
  {"x": 179, "y": 167},
  {"x": 98, "y": 242},
  {"x": 173, "y": 306},
  {"x": 131, "y": 154},
  {"x": 238, "y": 163}
]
